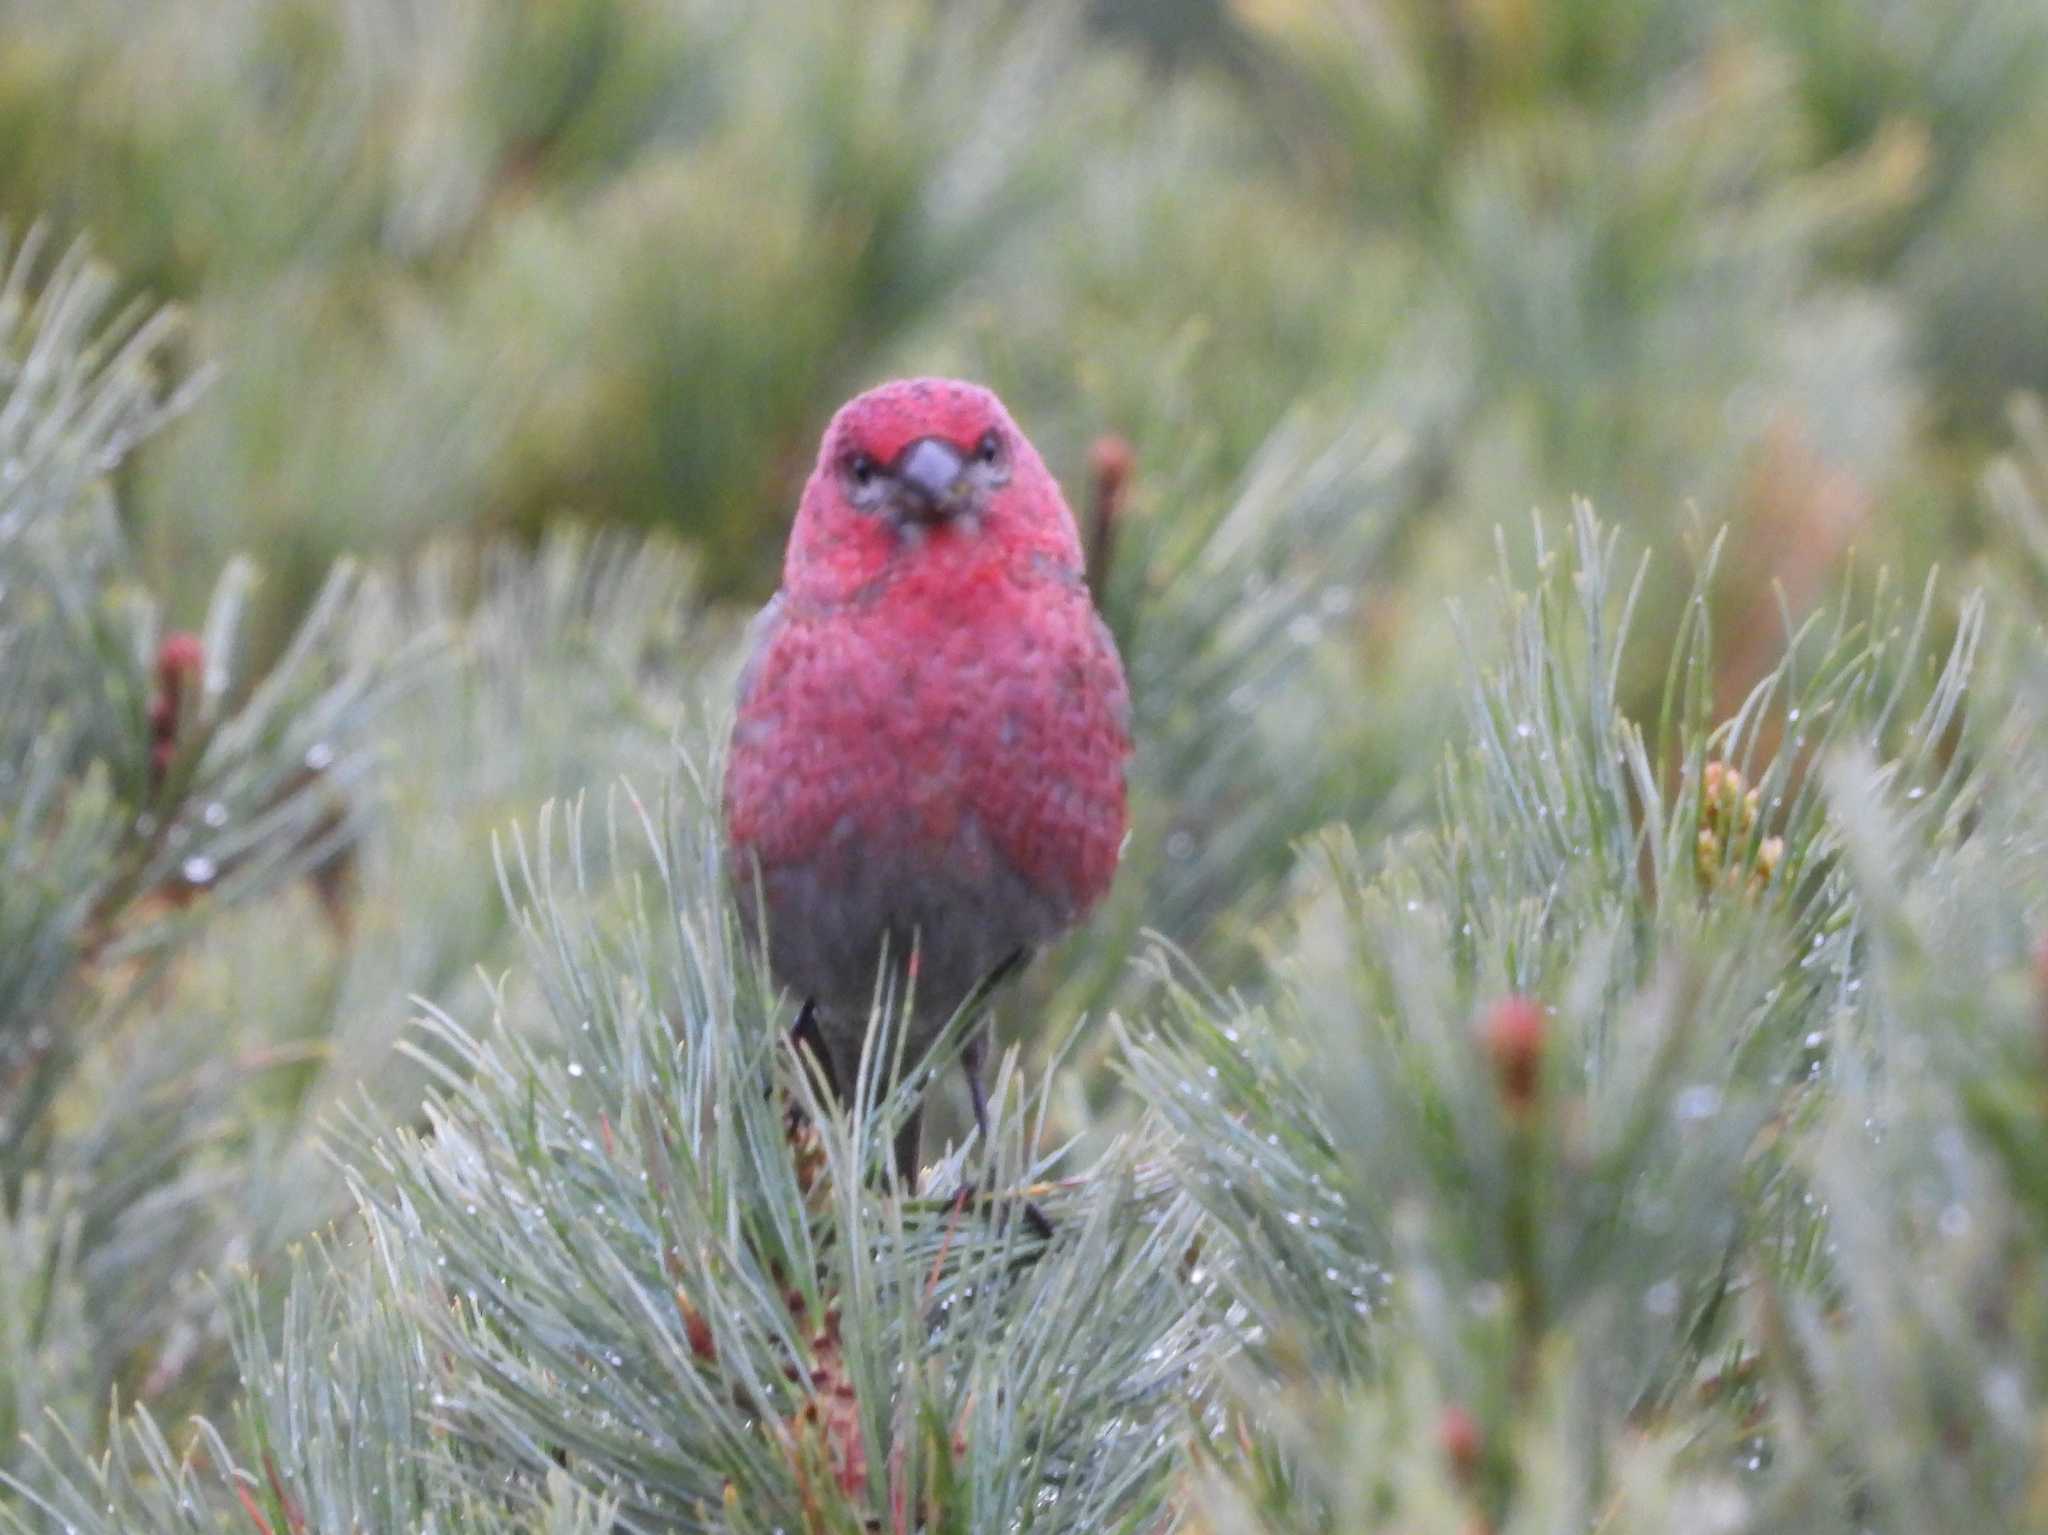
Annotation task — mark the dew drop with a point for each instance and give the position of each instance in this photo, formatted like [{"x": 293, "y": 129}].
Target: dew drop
[{"x": 1700, "y": 1101}]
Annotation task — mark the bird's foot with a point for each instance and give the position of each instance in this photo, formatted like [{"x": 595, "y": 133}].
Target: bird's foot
[{"x": 970, "y": 1197}]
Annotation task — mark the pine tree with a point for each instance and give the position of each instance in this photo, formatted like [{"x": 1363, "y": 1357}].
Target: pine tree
[
  {"x": 146, "y": 785},
  {"x": 1652, "y": 1145},
  {"x": 1636, "y": 1126},
  {"x": 1643, "y": 1148}
]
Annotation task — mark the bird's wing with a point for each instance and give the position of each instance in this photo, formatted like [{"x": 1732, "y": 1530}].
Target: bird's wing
[
  {"x": 1103, "y": 666},
  {"x": 760, "y": 639},
  {"x": 1110, "y": 664}
]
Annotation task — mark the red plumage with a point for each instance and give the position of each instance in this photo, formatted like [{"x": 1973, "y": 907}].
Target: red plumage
[{"x": 933, "y": 723}]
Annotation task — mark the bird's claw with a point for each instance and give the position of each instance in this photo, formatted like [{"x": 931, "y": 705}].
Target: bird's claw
[{"x": 969, "y": 1196}]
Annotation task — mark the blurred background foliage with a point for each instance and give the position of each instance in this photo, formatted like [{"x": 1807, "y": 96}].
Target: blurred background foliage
[
  {"x": 501, "y": 338},
  {"x": 467, "y": 266},
  {"x": 471, "y": 269}
]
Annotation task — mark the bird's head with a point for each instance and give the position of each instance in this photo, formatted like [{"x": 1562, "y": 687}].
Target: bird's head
[{"x": 916, "y": 466}]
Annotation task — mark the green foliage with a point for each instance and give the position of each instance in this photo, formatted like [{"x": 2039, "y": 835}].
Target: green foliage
[
  {"x": 618, "y": 260},
  {"x": 126, "y": 795},
  {"x": 1748, "y": 1242},
  {"x": 280, "y": 836},
  {"x": 1742, "y": 1230},
  {"x": 1223, "y": 607},
  {"x": 600, "y": 1252},
  {"x": 1747, "y": 1232},
  {"x": 479, "y": 269}
]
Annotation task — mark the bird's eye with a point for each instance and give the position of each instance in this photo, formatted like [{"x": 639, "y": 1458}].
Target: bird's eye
[
  {"x": 990, "y": 448},
  {"x": 861, "y": 470}
]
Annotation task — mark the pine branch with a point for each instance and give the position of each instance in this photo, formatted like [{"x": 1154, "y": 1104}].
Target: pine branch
[
  {"x": 1534, "y": 1108},
  {"x": 602, "y": 1253}
]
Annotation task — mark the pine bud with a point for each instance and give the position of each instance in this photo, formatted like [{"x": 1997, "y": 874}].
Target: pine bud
[
  {"x": 179, "y": 655},
  {"x": 1768, "y": 856},
  {"x": 1458, "y": 1433},
  {"x": 1515, "y": 1032},
  {"x": 1112, "y": 460},
  {"x": 178, "y": 662},
  {"x": 696, "y": 1329},
  {"x": 1729, "y": 812},
  {"x": 1709, "y": 856}
]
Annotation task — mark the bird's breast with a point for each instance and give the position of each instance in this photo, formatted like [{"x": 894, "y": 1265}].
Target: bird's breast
[{"x": 940, "y": 721}]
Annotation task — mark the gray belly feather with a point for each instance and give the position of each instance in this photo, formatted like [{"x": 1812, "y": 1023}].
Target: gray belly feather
[{"x": 830, "y": 918}]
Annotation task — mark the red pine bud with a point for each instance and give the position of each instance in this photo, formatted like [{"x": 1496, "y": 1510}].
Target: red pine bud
[
  {"x": 1514, "y": 1038},
  {"x": 178, "y": 656},
  {"x": 696, "y": 1329},
  {"x": 1458, "y": 1433},
  {"x": 1111, "y": 459}
]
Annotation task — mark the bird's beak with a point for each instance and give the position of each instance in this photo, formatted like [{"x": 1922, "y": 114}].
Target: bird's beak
[{"x": 932, "y": 477}]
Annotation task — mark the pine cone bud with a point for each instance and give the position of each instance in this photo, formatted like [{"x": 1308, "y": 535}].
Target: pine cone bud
[
  {"x": 1111, "y": 460},
  {"x": 1729, "y": 812},
  {"x": 1515, "y": 1034},
  {"x": 179, "y": 655},
  {"x": 1458, "y": 1433},
  {"x": 696, "y": 1329},
  {"x": 178, "y": 661},
  {"x": 1768, "y": 856}
]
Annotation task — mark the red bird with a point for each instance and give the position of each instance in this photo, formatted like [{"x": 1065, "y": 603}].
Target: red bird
[{"x": 928, "y": 758}]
